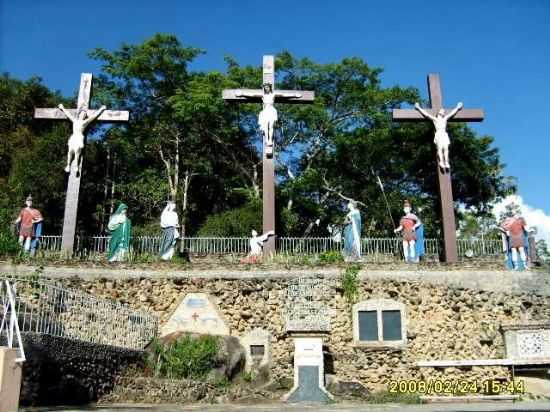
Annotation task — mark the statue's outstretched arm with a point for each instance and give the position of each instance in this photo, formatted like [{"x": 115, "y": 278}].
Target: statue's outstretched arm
[
  {"x": 66, "y": 112},
  {"x": 288, "y": 95},
  {"x": 265, "y": 236},
  {"x": 95, "y": 116},
  {"x": 423, "y": 112},
  {"x": 454, "y": 111},
  {"x": 248, "y": 93}
]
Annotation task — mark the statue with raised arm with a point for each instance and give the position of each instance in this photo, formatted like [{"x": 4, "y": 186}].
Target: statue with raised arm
[
  {"x": 257, "y": 246},
  {"x": 76, "y": 141},
  {"x": 441, "y": 138},
  {"x": 268, "y": 116}
]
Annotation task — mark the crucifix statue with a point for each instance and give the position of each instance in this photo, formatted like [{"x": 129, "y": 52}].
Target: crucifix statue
[
  {"x": 81, "y": 118},
  {"x": 440, "y": 116},
  {"x": 267, "y": 118}
]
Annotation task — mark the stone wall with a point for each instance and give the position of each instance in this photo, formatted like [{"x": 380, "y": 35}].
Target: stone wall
[{"x": 444, "y": 321}]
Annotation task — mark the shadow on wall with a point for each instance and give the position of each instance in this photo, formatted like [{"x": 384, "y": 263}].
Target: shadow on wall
[{"x": 61, "y": 371}]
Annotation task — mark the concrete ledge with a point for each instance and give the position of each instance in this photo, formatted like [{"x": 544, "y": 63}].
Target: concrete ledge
[
  {"x": 481, "y": 362},
  {"x": 469, "y": 399},
  {"x": 489, "y": 280}
]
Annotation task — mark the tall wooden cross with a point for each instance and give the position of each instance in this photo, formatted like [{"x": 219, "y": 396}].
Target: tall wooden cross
[
  {"x": 73, "y": 186},
  {"x": 281, "y": 96},
  {"x": 443, "y": 175}
]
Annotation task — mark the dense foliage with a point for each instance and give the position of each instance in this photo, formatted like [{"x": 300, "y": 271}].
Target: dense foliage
[
  {"x": 185, "y": 143},
  {"x": 187, "y": 357}
]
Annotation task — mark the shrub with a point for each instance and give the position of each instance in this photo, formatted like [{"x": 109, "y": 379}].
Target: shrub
[
  {"x": 237, "y": 222},
  {"x": 8, "y": 240},
  {"x": 331, "y": 256},
  {"x": 186, "y": 357},
  {"x": 350, "y": 284}
]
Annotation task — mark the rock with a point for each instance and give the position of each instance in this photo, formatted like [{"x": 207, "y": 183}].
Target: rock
[{"x": 349, "y": 389}]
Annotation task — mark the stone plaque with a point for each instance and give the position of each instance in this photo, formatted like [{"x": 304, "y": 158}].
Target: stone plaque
[
  {"x": 530, "y": 339},
  {"x": 305, "y": 308},
  {"x": 197, "y": 313}
]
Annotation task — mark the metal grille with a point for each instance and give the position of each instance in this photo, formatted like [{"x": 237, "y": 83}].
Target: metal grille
[
  {"x": 372, "y": 249},
  {"x": 44, "y": 307}
]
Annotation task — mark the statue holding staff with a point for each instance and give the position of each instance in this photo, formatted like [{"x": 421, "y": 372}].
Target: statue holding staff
[{"x": 413, "y": 234}]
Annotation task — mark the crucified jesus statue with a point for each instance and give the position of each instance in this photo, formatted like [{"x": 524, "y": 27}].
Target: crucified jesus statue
[
  {"x": 441, "y": 138},
  {"x": 268, "y": 116},
  {"x": 76, "y": 141}
]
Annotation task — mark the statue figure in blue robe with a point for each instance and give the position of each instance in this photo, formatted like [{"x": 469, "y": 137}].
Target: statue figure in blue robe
[{"x": 352, "y": 233}]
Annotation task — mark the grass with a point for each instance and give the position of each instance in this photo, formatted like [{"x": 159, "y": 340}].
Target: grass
[{"x": 390, "y": 397}]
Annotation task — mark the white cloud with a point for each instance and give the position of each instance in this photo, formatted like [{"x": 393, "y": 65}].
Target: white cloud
[{"x": 533, "y": 217}]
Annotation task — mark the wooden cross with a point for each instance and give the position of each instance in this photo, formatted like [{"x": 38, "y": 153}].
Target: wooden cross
[
  {"x": 281, "y": 96},
  {"x": 73, "y": 186},
  {"x": 444, "y": 176}
]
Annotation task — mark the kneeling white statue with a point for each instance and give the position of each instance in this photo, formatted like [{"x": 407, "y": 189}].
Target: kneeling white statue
[{"x": 257, "y": 246}]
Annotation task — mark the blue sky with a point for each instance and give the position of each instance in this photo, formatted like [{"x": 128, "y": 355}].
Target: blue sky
[{"x": 493, "y": 54}]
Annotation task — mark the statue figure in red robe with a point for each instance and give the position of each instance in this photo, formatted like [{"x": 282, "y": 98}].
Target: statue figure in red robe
[
  {"x": 412, "y": 231},
  {"x": 515, "y": 232},
  {"x": 27, "y": 222}
]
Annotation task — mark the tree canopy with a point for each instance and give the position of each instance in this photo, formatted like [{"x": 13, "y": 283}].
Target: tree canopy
[{"x": 184, "y": 143}]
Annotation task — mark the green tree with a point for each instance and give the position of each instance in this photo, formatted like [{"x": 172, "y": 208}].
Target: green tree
[
  {"x": 176, "y": 115},
  {"x": 183, "y": 142},
  {"x": 333, "y": 150},
  {"x": 474, "y": 225}
]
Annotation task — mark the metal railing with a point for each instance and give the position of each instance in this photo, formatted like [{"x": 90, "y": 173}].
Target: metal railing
[
  {"x": 9, "y": 319},
  {"x": 46, "y": 308},
  {"x": 372, "y": 249}
]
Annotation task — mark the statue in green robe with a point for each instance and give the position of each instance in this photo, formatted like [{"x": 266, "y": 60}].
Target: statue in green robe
[{"x": 121, "y": 232}]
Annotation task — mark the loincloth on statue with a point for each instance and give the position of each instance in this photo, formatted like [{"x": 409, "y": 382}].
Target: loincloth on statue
[
  {"x": 442, "y": 139},
  {"x": 76, "y": 141},
  {"x": 267, "y": 115}
]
